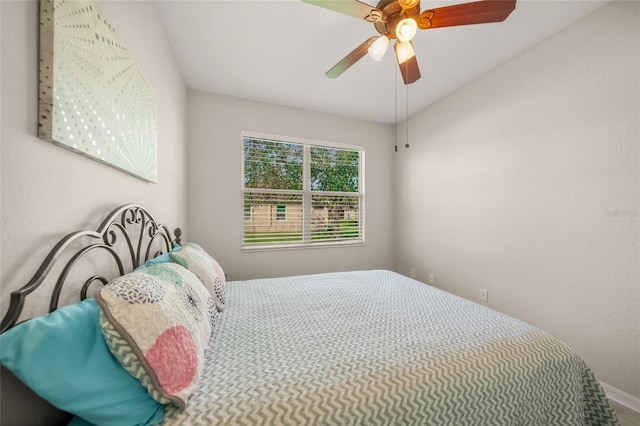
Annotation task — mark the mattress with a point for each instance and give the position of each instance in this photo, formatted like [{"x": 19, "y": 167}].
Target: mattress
[{"x": 375, "y": 347}]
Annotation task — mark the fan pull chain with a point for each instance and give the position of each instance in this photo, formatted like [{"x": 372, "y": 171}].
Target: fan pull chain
[
  {"x": 395, "y": 124},
  {"x": 406, "y": 145}
]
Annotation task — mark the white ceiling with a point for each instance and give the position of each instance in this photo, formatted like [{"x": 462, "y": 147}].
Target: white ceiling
[{"x": 278, "y": 51}]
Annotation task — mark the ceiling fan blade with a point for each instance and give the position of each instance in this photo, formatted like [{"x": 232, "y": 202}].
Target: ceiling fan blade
[
  {"x": 353, "y": 8},
  {"x": 479, "y": 12},
  {"x": 350, "y": 59},
  {"x": 409, "y": 68}
]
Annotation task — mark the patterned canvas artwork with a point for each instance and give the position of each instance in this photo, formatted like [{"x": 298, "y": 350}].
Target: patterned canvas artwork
[{"x": 94, "y": 100}]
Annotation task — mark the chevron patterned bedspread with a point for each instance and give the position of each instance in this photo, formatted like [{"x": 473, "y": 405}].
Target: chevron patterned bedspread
[{"x": 377, "y": 348}]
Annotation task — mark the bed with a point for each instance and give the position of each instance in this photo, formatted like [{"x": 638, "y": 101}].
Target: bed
[{"x": 358, "y": 347}]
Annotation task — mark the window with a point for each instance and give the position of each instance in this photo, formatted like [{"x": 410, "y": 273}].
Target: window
[{"x": 301, "y": 193}]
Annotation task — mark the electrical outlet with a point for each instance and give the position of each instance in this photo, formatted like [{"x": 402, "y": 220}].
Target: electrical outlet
[
  {"x": 432, "y": 279},
  {"x": 484, "y": 295},
  {"x": 412, "y": 272}
]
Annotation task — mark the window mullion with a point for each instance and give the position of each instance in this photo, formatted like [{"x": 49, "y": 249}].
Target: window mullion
[{"x": 306, "y": 197}]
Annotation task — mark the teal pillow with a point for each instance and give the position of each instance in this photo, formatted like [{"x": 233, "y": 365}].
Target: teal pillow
[
  {"x": 64, "y": 358},
  {"x": 79, "y": 421}
]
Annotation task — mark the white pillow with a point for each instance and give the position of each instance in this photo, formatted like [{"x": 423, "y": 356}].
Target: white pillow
[{"x": 194, "y": 258}]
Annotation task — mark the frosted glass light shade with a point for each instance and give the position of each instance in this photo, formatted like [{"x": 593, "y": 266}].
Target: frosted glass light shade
[
  {"x": 404, "y": 52},
  {"x": 378, "y": 48},
  {"x": 406, "y": 29}
]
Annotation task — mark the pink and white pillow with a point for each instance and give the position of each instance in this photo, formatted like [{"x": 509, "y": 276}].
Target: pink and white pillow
[{"x": 157, "y": 322}]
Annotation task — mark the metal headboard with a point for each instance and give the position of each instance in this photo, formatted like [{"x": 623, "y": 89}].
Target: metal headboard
[{"x": 130, "y": 228}]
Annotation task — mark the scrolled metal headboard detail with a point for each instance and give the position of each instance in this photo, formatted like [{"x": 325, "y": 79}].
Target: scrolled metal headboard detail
[{"x": 130, "y": 225}]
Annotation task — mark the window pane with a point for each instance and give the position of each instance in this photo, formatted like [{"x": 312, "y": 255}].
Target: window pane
[
  {"x": 334, "y": 169},
  {"x": 272, "y": 164},
  {"x": 298, "y": 193},
  {"x": 268, "y": 211},
  {"x": 335, "y": 218}
]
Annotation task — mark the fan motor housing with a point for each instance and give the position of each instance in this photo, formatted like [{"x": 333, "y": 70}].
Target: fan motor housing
[{"x": 394, "y": 14}]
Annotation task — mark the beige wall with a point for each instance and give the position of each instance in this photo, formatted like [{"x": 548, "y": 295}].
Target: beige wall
[
  {"x": 526, "y": 183},
  {"x": 215, "y": 198},
  {"x": 48, "y": 191}
]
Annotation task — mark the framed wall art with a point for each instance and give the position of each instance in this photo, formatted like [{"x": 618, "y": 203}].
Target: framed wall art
[{"x": 93, "y": 99}]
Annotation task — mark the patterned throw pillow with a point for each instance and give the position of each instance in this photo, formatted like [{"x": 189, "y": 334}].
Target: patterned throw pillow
[
  {"x": 194, "y": 258},
  {"x": 157, "y": 322}
]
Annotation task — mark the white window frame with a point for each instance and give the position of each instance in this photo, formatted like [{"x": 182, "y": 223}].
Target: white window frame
[{"x": 306, "y": 192}]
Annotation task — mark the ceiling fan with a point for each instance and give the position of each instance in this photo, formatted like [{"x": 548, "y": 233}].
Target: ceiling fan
[{"x": 401, "y": 19}]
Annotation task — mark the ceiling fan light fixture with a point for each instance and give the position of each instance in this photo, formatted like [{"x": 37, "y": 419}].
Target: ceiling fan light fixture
[
  {"x": 404, "y": 51},
  {"x": 406, "y": 29},
  {"x": 378, "y": 48},
  {"x": 400, "y": 20}
]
